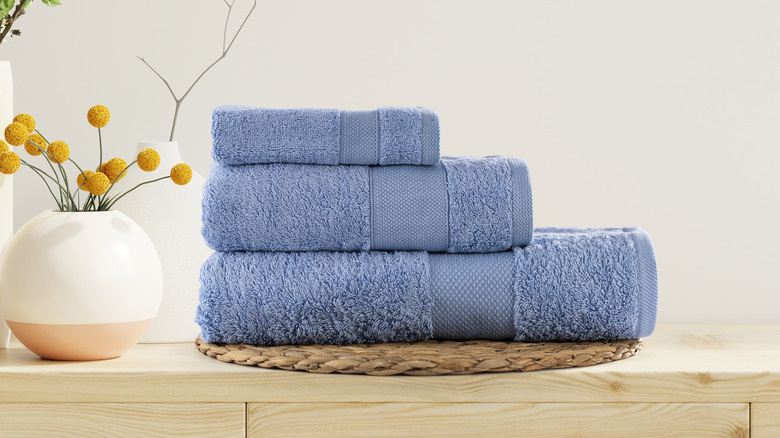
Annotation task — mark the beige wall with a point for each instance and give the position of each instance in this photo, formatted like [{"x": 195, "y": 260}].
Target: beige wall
[{"x": 663, "y": 114}]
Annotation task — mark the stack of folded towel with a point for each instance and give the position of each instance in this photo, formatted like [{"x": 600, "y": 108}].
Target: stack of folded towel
[{"x": 340, "y": 227}]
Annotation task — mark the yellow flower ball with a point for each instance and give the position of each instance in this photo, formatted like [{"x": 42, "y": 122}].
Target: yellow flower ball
[
  {"x": 97, "y": 183},
  {"x": 59, "y": 151},
  {"x": 113, "y": 168},
  {"x": 81, "y": 181},
  {"x": 37, "y": 139},
  {"x": 16, "y": 133},
  {"x": 181, "y": 174},
  {"x": 26, "y": 120},
  {"x": 148, "y": 160},
  {"x": 4, "y": 147},
  {"x": 9, "y": 162},
  {"x": 98, "y": 116}
]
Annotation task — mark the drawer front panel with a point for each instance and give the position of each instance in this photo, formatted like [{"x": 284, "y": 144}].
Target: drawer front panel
[
  {"x": 498, "y": 419},
  {"x": 122, "y": 419},
  {"x": 765, "y": 420}
]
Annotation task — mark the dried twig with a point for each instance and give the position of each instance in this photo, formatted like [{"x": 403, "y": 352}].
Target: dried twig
[
  {"x": 12, "y": 18},
  {"x": 225, "y": 48}
]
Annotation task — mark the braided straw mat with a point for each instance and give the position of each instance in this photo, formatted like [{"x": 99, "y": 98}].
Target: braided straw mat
[{"x": 425, "y": 358}]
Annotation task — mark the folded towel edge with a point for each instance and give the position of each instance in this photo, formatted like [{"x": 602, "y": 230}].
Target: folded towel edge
[{"x": 647, "y": 275}]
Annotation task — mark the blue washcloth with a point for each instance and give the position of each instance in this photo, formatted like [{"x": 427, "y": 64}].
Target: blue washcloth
[
  {"x": 249, "y": 135},
  {"x": 460, "y": 205},
  {"x": 567, "y": 285}
]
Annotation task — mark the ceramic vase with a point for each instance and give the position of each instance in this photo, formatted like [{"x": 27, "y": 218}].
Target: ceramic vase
[
  {"x": 6, "y": 181},
  {"x": 171, "y": 216},
  {"x": 80, "y": 285}
]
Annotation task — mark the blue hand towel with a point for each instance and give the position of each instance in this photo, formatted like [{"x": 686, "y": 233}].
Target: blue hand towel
[
  {"x": 567, "y": 285},
  {"x": 249, "y": 135},
  {"x": 460, "y": 205}
]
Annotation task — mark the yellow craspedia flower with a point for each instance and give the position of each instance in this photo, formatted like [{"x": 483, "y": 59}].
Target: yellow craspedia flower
[
  {"x": 98, "y": 116},
  {"x": 181, "y": 174},
  {"x": 148, "y": 160},
  {"x": 26, "y": 120},
  {"x": 9, "y": 162},
  {"x": 59, "y": 151},
  {"x": 97, "y": 183},
  {"x": 31, "y": 148},
  {"x": 4, "y": 147},
  {"x": 16, "y": 133},
  {"x": 81, "y": 181},
  {"x": 113, "y": 168}
]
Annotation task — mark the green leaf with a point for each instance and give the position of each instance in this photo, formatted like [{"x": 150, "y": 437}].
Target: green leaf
[
  {"x": 5, "y": 7},
  {"x": 51, "y": 2}
]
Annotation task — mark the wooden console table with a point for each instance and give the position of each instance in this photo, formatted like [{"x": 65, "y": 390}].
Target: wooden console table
[{"x": 691, "y": 380}]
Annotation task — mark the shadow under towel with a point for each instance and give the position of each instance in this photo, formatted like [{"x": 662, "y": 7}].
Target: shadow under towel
[
  {"x": 460, "y": 205},
  {"x": 568, "y": 285},
  {"x": 251, "y": 135}
]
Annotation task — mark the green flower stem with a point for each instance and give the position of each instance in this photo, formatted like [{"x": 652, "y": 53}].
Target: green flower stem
[
  {"x": 78, "y": 167},
  {"x": 42, "y": 171},
  {"x": 46, "y": 155},
  {"x": 100, "y": 164},
  {"x": 67, "y": 185},
  {"x": 44, "y": 137},
  {"x": 81, "y": 171},
  {"x": 89, "y": 204},
  {"x": 118, "y": 177},
  {"x": 100, "y": 141},
  {"x": 112, "y": 202},
  {"x": 77, "y": 193},
  {"x": 41, "y": 174}
]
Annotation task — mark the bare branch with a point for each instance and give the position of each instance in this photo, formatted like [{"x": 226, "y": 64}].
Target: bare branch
[
  {"x": 201, "y": 75},
  {"x": 227, "y": 20},
  {"x": 254, "y": 4},
  {"x": 225, "y": 48},
  {"x": 224, "y": 53},
  {"x": 161, "y": 78}
]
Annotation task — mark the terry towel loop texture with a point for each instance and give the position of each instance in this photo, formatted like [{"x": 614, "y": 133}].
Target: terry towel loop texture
[
  {"x": 567, "y": 285},
  {"x": 385, "y": 136},
  {"x": 460, "y": 205}
]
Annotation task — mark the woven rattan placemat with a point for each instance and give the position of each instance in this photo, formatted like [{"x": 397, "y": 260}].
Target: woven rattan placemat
[{"x": 426, "y": 358}]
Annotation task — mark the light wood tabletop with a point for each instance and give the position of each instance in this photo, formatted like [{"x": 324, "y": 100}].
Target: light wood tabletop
[
  {"x": 692, "y": 380},
  {"x": 679, "y": 362}
]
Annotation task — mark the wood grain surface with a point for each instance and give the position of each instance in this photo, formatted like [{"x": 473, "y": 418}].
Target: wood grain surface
[
  {"x": 711, "y": 363},
  {"x": 122, "y": 419},
  {"x": 549, "y": 420},
  {"x": 765, "y": 420}
]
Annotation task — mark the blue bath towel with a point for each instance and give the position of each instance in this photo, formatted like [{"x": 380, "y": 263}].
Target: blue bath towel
[
  {"x": 567, "y": 285},
  {"x": 249, "y": 135},
  {"x": 460, "y": 205}
]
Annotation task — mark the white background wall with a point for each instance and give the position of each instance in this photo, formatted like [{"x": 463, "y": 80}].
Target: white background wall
[{"x": 663, "y": 114}]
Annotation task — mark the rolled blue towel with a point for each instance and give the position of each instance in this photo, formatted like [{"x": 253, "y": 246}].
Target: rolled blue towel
[
  {"x": 460, "y": 205},
  {"x": 250, "y": 135},
  {"x": 567, "y": 285}
]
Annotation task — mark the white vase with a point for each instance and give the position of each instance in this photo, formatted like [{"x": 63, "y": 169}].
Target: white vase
[
  {"x": 171, "y": 216},
  {"x": 6, "y": 181},
  {"x": 80, "y": 285}
]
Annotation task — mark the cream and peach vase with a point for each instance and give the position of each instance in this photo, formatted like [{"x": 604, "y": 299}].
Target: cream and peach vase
[{"x": 81, "y": 285}]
